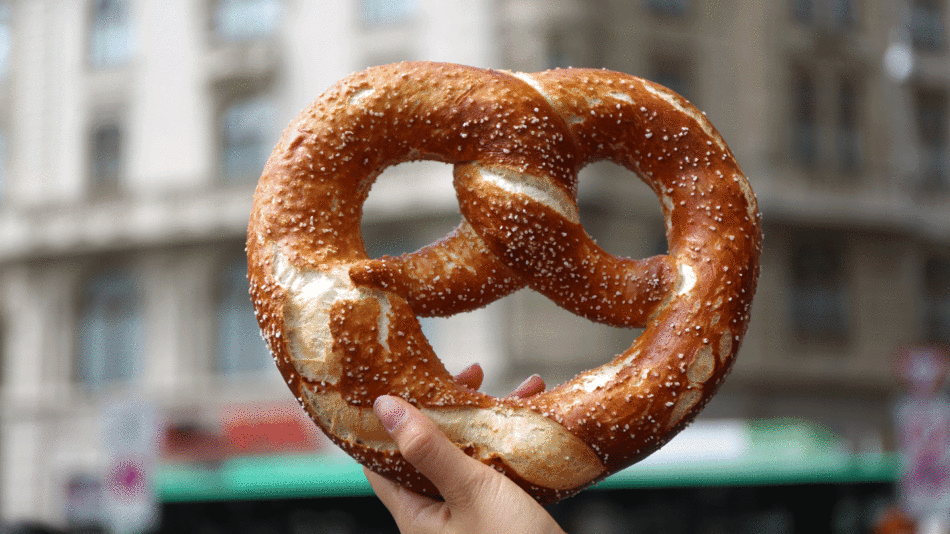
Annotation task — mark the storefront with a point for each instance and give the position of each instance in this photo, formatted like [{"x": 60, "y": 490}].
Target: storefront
[{"x": 777, "y": 476}]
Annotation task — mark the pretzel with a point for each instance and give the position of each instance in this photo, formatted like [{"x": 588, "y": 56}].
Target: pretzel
[{"x": 343, "y": 327}]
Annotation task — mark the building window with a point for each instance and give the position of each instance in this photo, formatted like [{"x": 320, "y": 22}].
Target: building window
[
  {"x": 937, "y": 300},
  {"x": 397, "y": 237},
  {"x": 843, "y": 13},
  {"x": 826, "y": 116},
  {"x": 248, "y": 135},
  {"x": 840, "y": 14},
  {"x": 802, "y": 10},
  {"x": 241, "y": 20},
  {"x": 579, "y": 45},
  {"x": 560, "y": 54},
  {"x": 849, "y": 130},
  {"x": 669, "y": 8},
  {"x": 805, "y": 120},
  {"x": 106, "y": 161},
  {"x": 926, "y": 25},
  {"x": 818, "y": 292},
  {"x": 109, "y": 34},
  {"x": 3, "y": 352},
  {"x": 6, "y": 37},
  {"x": 4, "y": 166},
  {"x": 933, "y": 139},
  {"x": 238, "y": 344},
  {"x": 673, "y": 72},
  {"x": 110, "y": 329},
  {"x": 385, "y": 12}
]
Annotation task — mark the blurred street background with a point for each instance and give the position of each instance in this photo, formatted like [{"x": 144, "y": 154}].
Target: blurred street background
[{"x": 137, "y": 396}]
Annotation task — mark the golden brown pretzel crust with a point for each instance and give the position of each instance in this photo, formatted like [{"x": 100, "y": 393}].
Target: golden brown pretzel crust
[{"x": 342, "y": 327}]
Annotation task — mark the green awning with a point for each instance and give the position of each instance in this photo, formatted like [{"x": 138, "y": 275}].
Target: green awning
[{"x": 774, "y": 452}]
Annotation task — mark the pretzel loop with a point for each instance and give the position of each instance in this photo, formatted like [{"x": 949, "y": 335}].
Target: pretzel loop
[{"x": 342, "y": 327}]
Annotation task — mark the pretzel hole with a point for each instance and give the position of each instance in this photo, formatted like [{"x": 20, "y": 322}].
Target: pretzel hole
[
  {"x": 412, "y": 205},
  {"x": 556, "y": 343},
  {"x": 624, "y": 216},
  {"x": 620, "y": 211},
  {"x": 409, "y": 206}
]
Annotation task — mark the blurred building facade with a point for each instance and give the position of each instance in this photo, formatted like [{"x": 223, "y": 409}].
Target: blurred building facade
[{"x": 132, "y": 134}]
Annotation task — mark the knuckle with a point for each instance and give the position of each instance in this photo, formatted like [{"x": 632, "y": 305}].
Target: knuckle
[
  {"x": 417, "y": 446},
  {"x": 476, "y": 487}
]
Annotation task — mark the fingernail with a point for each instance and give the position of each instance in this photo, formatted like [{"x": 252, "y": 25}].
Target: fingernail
[
  {"x": 531, "y": 385},
  {"x": 466, "y": 371},
  {"x": 530, "y": 380},
  {"x": 389, "y": 411}
]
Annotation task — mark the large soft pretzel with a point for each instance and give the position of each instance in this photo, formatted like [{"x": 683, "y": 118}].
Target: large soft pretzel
[{"x": 342, "y": 327}]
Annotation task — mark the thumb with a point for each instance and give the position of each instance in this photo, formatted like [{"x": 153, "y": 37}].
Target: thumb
[{"x": 457, "y": 476}]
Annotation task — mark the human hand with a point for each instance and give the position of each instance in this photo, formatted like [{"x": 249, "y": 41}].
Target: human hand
[
  {"x": 472, "y": 376},
  {"x": 478, "y": 499}
]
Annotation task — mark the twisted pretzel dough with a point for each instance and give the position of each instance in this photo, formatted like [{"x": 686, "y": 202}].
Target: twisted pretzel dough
[{"x": 342, "y": 327}]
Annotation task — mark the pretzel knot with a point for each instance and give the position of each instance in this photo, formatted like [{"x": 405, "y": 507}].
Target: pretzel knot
[{"x": 343, "y": 329}]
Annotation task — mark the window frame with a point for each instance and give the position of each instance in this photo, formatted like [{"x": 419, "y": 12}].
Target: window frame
[
  {"x": 266, "y": 134},
  {"x": 221, "y": 34},
  {"x": 106, "y": 180},
  {"x": 93, "y": 372},
  {"x": 932, "y": 138},
  {"x": 918, "y": 31},
  {"x": 837, "y": 143},
  {"x": 682, "y": 61},
  {"x": 232, "y": 300},
  {"x": 373, "y": 13},
  {"x": 109, "y": 42},
  {"x": 840, "y": 15},
  {"x": 670, "y": 9},
  {"x": 4, "y": 351},
  {"x": 4, "y": 163},
  {"x": 936, "y": 299},
  {"x": 849, "y": 140},
  {"x": 805, "y": 144},
  {"x": 830, "y": 322},
  {"x": 6, "y": 38}
]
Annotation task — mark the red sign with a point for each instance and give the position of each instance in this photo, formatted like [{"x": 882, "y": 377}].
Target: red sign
[
  {"x": 250, "y": 429},
  {"x": 273, "y": 429}
]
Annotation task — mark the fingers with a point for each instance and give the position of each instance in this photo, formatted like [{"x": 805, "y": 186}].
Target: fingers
[
  {"x": 477, "y": 498},
  {"x": 471, "y": 377},
  {"x": 532, "y": 385},
  {"x": 425, "y": 446}
]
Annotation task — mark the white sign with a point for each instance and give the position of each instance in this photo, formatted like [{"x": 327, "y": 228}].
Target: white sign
[
  {"x": 130, "y": 436},
  {"x": 923, "y": 424}
]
